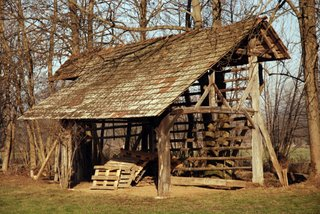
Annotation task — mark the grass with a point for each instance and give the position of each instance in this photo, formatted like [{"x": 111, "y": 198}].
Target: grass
[
  {"x": 299, "y": 155},
  {"x": 21, "y": 195}
]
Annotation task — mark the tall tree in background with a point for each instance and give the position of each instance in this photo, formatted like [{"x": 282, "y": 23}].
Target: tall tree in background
[
  {"x": 307, "y": 17},
  {"x": 143, "y": 22},
  {"x": 75, "y": 26},
  {"x": 90, "y": 24},
  {"x": 216, "y": 13},
  {"x": 196, "y": 13}
]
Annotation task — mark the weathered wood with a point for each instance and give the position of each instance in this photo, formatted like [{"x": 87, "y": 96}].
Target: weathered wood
[
  {"x": 128, "y": 136},
  {"x": 212, "y": 168},
  {"x": 236, "y": 79},
  {"x": 220, "y": 95},
  {"x": 56, "y": 163},
  {"x": 257, "y": 148},
  {"x": 164, "y": 158},
  {"x": 232, "y": 89},
  {"x": 216, "y": 148},
  {"x": 271, "y": 151},
  {"x": 219, "y": 158},
  {"x": 235, "y": 70},
  {"x": 191, "y": 181},
  {"x": 203, "y": 96},
  {"x": 205, "y": 109},
  {"x": 46, "y": 160},
  {"x": 271, "y": 45}
]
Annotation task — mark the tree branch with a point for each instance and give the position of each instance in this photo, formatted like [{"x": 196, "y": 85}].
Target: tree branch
[
  {"x": 125, "y": 28},
  {"x": 287, "y": 75},
  {"x": 295, "y": 10}
]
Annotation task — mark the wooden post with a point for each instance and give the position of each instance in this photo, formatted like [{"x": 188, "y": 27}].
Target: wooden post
[
  {"x": 57, "y": 163},
  {"x": 46, "y": 160},
  {"x": 283, "y": 180},
  {"x": 128, "y": 137},
  {"x": 164, "y": 159},
  {"x": 257, "y": 148},
  {"x": 144, "y": 138}
]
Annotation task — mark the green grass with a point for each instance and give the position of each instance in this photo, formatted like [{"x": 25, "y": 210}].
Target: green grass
[
  {"x": 20, "y": 195},
  {"x": 299, "y": 155}
]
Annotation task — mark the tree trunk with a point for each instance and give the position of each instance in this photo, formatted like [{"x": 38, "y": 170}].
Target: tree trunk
[
  {"x": 143, "y": 19},
  {"x": 32, "y": 149},
  {"x": 90, "y": 24},
  {"x": 6, "y": 65},
  {"x": 216, "y": 13},
  {"x": 310, "y": 47},
  {"x": 51, "y": 43},
  {"x": 27, "y": 57},
  {"x": 75, "y": 42},
  {"x": 188, "y": 14},
  {"x": 196, "y": 13},
  {"x": 7, "y": 147}
]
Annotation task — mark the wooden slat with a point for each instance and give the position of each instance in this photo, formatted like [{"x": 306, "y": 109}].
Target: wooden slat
[
  {"x": 190, "y": 181},
  {"x": 102, "y": 177},
  {"x": 235, "y": 70},
  {"x": 212, "y": 168},
  {"x": 232, "y": 89},
  {"x": 205, "y": 109},
  {"x": 215, "y": 148},
  {"x": 219, "y": 158},
  {"x": 236, "y": 79}
]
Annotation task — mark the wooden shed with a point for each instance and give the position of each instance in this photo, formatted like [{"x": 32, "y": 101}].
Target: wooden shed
[{"x": 192, "y": 99}]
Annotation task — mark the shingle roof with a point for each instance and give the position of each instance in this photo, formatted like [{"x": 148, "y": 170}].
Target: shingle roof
[{"x": 141, "y": 79}]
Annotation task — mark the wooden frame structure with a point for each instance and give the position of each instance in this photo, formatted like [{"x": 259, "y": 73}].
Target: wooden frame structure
[{"x": 197, "y": 109}]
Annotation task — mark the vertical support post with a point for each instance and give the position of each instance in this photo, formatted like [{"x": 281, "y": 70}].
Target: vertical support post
[
  {"x": 257, "y": 147},
  {"x": 144, "y": 138},
  {"x": 164, "y": 159},
  {"x": 128, "y": 137}
]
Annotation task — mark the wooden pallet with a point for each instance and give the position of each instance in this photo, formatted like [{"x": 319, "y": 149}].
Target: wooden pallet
[
  {"x": 120, "y": 172},
  {"x": 105, "y": 178}
]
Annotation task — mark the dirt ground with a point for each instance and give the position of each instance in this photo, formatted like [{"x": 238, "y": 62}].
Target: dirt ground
[
  {"x": 146, "y": 190},
  {"x": 143, "y": 189}
]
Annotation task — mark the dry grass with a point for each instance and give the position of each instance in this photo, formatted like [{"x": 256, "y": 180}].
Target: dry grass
[{"x": 19, "y": 194}]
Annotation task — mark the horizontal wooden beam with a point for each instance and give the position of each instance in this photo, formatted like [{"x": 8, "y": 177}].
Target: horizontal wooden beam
[
  {"x": 208, "y": 109},
  {"x": 215, "y": 148},
  {"x": 219, "y": 158},
  {"x": 212, "y": 168},
  {"x": 190, "y": 181},
  {"x": 234, "y": 70}
]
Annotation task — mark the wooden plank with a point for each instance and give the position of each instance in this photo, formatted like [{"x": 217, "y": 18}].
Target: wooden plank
[
  {"x": 191, "y": 181},
  {"x": 236, "y": 79},
  {"x": 257, "y": 148},
  {"x": 205, "y": 109},
  {"x": 203, "y": 96},
  {"x": 103, "y": 177},
  {"x": 216, "y": 148},
  {"x": 220, "y": 95},
  {"x": 219, "y": 158},
  {"x": 212, "y": 168},
  {"x": 233, "y": 89},
  {"x": 271, "y": 151},
  {"x": 235, "y": 70},
  {"x": 269, "y": 43}
]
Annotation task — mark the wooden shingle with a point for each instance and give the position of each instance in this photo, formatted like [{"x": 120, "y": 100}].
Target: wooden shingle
[{"x": 142, "y": 79}]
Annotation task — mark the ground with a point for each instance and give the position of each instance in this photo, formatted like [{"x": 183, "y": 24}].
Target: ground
[{"x": 20, "y": 194}]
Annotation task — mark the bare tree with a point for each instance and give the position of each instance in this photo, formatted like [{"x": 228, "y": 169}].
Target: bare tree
[{"x": 308, "y": 31}]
